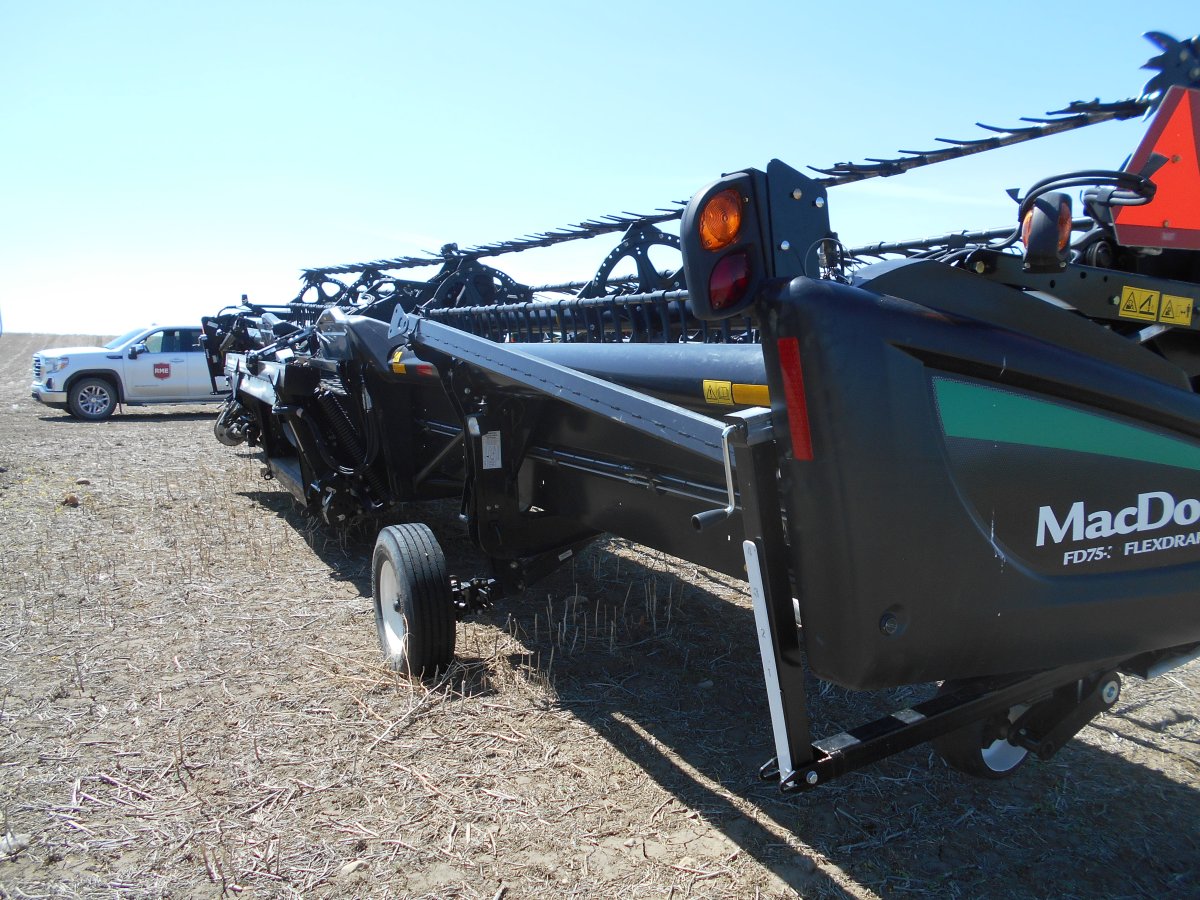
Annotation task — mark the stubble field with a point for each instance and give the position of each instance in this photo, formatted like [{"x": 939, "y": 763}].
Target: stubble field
[{"x": 192, "y": 704}]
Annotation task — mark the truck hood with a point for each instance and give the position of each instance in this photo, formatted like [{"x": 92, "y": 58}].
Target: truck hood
[{"x": 73, "y": 351}]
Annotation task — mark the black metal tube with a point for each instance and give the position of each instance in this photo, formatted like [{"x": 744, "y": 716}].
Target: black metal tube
[{"x": 951, "y": 240}]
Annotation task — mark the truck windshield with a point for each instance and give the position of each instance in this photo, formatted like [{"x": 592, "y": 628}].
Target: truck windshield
[{"x": 117, "y": 342}]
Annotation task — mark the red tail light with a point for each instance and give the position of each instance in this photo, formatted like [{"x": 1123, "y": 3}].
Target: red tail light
[{"x": 729, "y": 280}]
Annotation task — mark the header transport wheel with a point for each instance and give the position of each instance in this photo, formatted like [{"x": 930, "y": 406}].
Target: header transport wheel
[
  {"x": 981, "y": 749},
  {"x": 414, "y": 611},
  {"x": 232, "y": 422}
]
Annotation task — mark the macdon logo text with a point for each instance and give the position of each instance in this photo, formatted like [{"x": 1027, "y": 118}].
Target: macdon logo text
[{"x": 1153, "y": 510}]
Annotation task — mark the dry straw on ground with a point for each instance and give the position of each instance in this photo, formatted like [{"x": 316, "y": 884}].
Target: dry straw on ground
[{"x": 192, "y": 705}]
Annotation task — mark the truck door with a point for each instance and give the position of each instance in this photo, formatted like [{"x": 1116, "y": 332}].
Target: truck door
[
  {"x": 199, "y": 384},
  {"x": 161, "y": 373}
]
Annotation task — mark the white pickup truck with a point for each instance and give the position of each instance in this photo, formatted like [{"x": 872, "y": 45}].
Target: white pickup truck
[{"x": 155, "y": 364}]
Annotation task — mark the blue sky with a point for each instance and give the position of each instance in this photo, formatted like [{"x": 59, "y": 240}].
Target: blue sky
[{"x": 160, "y": 159}]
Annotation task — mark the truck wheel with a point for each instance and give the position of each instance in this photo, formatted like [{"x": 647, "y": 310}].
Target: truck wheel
[
  {"x": 414, "y": 612},
  {"x": 92, "y": 399},
  {"x": 979, "y": 749}
]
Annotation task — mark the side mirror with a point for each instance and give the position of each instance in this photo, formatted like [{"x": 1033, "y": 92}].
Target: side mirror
[{"x": 136, "y": 349}]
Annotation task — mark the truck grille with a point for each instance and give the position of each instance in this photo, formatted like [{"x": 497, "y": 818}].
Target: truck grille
[{"x": 37, "y": 368}]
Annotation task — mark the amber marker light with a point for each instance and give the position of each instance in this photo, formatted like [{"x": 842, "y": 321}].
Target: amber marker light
[
  {"x": 721, "y": 219},
  {"x": 1065, "y": 223},
  {"x": 1064, "y": 226}
]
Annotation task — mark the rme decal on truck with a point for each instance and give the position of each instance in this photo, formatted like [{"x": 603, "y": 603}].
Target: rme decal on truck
[{"x": 1154, "y": 510}]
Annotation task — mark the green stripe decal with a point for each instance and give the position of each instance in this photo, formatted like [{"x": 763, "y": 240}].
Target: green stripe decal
[{"x": 988, "y": 414}]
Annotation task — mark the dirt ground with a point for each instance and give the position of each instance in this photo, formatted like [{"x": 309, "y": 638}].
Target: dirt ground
[{"x": 192, "y": 705}]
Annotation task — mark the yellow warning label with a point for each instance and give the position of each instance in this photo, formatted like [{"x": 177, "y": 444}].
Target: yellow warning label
[
  {"x": 1176, "y": 310},
  {"x": 751, "y": 395},
  {"x": 397, "y": 366},
  {"x": 1137, "y": 303},
  {"x": 719, "y": 392}
]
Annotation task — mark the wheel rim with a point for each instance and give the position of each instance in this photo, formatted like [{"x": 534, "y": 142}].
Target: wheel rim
[
  {"x": 393, "y": 628},
  {"x": 1000, "y": 755},
  {"x": 94, "y": 400}
]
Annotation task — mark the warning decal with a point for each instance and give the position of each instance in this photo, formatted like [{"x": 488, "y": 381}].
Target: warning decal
[
  {"x": 1176, "y": 310},
  {"x": 491, "y": 450},
  {"x": 1139, "y": 304},
  {"x": 1151, "y": 306},
  {"x": 718, "y": 392}
]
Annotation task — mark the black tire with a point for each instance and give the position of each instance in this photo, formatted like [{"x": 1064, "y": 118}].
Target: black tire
[
  {"x": 414, "y": 611},
  {"x": 92, "y": 399},
  {"x": 979, "y": 749}
]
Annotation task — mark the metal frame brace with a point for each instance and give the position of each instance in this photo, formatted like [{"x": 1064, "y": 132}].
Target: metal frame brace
[{"x": 766, "y": 551}]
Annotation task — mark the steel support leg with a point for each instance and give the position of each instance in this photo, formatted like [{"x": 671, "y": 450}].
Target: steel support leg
[{"x": 774, "y": 615}]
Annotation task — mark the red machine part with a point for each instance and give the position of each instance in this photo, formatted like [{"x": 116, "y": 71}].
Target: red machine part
[{"x": 1172, "y": 218}]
